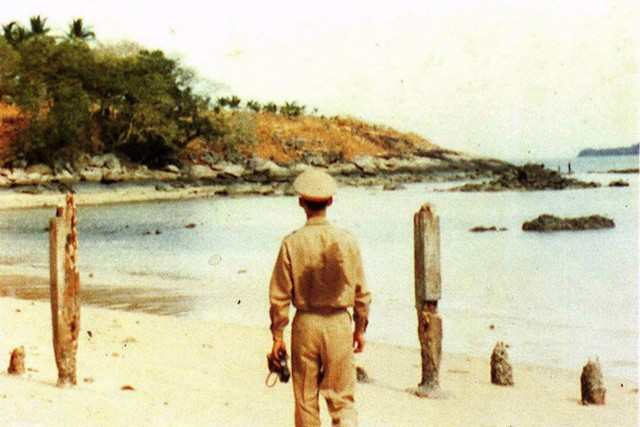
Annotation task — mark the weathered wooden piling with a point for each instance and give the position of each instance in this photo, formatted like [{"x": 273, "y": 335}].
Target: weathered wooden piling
[
  {"x": 16, "y": 362},
  {"x": 427, "y": 292},
  {"x": 501, "y": 370},
  {"x": 592, "y": 386},
  {"x": 65, "y": 287}
]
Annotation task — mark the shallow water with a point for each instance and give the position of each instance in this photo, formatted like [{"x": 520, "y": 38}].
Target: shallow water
[{"x": 556, "y": 298}]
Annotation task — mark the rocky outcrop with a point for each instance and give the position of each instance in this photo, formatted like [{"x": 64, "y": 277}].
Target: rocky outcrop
[
  {"x": 501, "y": 370},
  {"x": 546, "y": 222},
  {"x": 16, "y": 362},
  {"x": 618, "y": 183},
  {"x": 529, "y": 177},
  {"x": 592, "y": 387}
]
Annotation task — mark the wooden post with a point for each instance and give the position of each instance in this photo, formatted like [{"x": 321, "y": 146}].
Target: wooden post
[
  {"x": 65, "y": 287},
  {"x": 428, "y": 291}
]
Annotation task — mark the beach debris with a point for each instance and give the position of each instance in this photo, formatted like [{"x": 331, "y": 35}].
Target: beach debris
[
  {"x": 127, "y": 387},
  {"x": 16, "y": 362},
  {"x": 129, "y": 340},
  {"x": 242, "y": 271},
  {"x": 90, "y": 334},
  {"x": 191, "y": 225},
  {"x": 618, "y": 183},
  {"x": 591, "y": 384},
  {"x": 548, "y": 222},
  {"x": 88, "y": 380},
  {"x": 362, "y": 376},
  {"x": 65, "y": 290},
  {"x": 492, "y": 326},
  {"x": 501, "y": 371},
  {"x": 158, "y": 232},
  {"x": 481, "y": 229},
  {"x": 393, "y": 186}
]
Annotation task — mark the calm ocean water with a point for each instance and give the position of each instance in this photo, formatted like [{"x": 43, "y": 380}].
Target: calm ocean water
[{"x": 556, "y": 298}]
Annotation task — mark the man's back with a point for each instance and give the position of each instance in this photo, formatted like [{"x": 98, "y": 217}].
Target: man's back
[{"x": 325, "y": 266}]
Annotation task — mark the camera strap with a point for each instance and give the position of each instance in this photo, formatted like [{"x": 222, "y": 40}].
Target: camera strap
[{"x": 269, "y": 382}]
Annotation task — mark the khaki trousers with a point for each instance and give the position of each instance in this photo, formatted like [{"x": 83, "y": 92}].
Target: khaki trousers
[{"x": 322, "y": 363}]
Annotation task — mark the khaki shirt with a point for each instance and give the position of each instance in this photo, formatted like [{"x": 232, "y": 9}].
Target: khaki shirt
[{"x": 318, "y": 267}]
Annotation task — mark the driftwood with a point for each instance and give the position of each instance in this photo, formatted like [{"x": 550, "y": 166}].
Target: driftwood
[
  {"x": 65, "y": 287},
  {"x": 16, "y": 363}
]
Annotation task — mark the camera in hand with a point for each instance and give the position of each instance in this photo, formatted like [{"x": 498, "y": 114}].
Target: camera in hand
[{"x": 281, "y": 371}]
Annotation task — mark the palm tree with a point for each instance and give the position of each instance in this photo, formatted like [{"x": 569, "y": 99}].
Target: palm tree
[
  {"x": 77, "y": 31},
  {"x": 14, "y": 33},
  {"x": 38, "y": 26}
]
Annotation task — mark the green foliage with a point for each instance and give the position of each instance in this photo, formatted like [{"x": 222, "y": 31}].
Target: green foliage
[
  {"x": 78, "y": 31},
  {"x": 254, "y": 106},
  {"x": 14, "y": 33},
  {"x": 292, "y": 109},
  {"x": 82, "y": 99},
  {"x": 234, "y": 102},
  {"x": 38, "y": 26},
  {"x": 9, "y": 61},
  {"x": 270, "y": 108},
  {"x": 241, "y": 131}
]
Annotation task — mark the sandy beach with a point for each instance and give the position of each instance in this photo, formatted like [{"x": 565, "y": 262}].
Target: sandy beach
[
  {"x": 191, "y": 372},
  {"x": 129, "y": 194}
]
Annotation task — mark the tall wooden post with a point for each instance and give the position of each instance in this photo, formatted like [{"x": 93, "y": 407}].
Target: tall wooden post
[
  {"x": 65, "y": 287},
  {"x": 428, "y": 292}
]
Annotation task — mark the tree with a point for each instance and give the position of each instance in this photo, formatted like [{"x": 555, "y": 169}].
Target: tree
[
  {"x": 292, "y": 109},
  {"x": 253, "y": 106},
  {"x": 234, "y": 102},
  {"x": 9, "y": 62},
  {"x": 14, "y": 33},
  {"x": 38, "y": 26},
  {"x": 270, "y": 108},
  {"x": 77, "y": 31}
]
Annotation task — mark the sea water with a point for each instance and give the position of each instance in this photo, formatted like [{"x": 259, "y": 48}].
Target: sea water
[{"x": 557, "y": 298}]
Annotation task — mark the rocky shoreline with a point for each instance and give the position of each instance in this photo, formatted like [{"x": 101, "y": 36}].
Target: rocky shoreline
[
  {"x": 252, "y": 175},
  {"x": 264, "y": 177}
]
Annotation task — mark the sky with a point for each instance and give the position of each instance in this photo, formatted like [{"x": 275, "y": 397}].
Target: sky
[{"x": 508, "y": 79}]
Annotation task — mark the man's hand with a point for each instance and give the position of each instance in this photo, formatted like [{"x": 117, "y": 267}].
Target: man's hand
[
  {"x": 358, "y": 342},
  {"x": 278, "y": 346}
]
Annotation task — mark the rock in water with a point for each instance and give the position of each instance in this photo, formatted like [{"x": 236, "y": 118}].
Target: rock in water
[
  {"x": 618, "y": 183},
  {"x": 16, "y": 363},
  {"x": 501, "y": 371},
  {"x": 553, "y": 223},
  {"x": 591, "y": 384}
]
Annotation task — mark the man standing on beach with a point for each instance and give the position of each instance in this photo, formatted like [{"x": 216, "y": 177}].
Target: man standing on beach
[{"x": 319, "y": 269}]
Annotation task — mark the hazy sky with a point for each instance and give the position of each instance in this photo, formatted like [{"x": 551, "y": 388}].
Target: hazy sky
[{"x": 502, "y": 78}]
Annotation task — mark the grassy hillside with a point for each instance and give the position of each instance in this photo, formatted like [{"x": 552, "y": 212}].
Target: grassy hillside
[
  {"x": 291, "y": 139},
  {"x": 276, "y": 137}
]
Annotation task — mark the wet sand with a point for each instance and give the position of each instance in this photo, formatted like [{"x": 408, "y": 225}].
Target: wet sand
[{"x": 166, "y": 302}]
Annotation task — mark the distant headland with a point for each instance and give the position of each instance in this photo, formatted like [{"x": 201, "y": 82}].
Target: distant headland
[{"x": 631, "y": 150}]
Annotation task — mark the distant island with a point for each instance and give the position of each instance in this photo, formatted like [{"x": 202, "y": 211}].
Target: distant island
[{"x": 631, "y": 150}]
